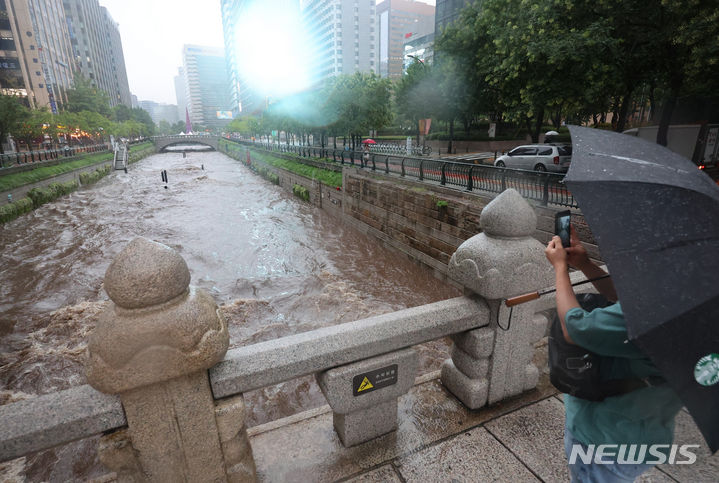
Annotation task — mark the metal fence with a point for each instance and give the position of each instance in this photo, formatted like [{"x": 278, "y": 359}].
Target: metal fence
[
  {"x": 25, "y": 157},
  {"x": 546, "y": 188}
]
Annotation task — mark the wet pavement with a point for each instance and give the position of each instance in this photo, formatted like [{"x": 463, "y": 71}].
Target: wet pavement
[{"x": 439, "y": 440}]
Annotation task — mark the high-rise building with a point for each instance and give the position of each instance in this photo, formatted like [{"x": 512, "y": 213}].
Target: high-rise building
[
  {"x": 97, "y": 48},
  {"x": 160, "y": 112},
  {"x": 447, "y": 12},
  {"x": 206, "y": 85},
  {"x": 419, "y": 48},
  {"x": 35, "y": 54},
  {"x": 342, "y": 37},
  {"x": 180, "y": 93},
  {"x": 399, "y": 20}
]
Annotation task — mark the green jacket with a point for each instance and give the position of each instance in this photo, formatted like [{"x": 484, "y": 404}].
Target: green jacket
[{"x": 643, "y": 416}]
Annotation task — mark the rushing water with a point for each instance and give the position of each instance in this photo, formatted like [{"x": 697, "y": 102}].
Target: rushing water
[{"x": 275, "y": 265}]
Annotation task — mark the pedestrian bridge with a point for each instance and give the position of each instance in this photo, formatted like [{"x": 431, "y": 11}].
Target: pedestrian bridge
[{"x": 162, "y": 142}]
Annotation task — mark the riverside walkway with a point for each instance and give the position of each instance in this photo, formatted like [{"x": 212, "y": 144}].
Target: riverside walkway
[{"x": 440, "y": 440}]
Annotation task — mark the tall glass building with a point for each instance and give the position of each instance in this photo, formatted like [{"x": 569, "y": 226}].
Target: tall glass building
[
  {"x": 342, "y": 37},
  {"x": 400, "y": 20},
  {"x": 206, "y": 86}
]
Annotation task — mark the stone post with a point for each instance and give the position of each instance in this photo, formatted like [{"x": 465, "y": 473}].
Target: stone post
[
  {"x": 494, "y": 362},
  {"x": 363, "y": 395},
  {"x": 153, "y": 346}
]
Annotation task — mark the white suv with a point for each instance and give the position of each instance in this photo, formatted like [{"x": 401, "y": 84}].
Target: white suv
[{"x": 538, "y": 157}]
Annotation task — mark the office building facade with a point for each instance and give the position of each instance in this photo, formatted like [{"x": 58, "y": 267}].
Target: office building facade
[
  {"x": 97, "y": 48},
  {"x": 206, "y": 85},
  {"x": 447, "y": 12},
  {"x": 418, "y": 48},
  {"x": 342, "y": 37},
  {"x": 36, "y": 62},
  {"x": 398, "y": 20},
  {"x": 160, "y": 112}
]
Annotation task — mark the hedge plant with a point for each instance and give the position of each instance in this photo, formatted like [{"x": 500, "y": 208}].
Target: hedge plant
[
  {"x": 301, "y": 192},
  {"x": 12, "y": 210}
]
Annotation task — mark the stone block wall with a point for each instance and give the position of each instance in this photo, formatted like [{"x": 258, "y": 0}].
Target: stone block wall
[{"x": 408, "y": 215}]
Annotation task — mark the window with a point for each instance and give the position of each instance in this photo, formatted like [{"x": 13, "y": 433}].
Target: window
[
  {"x": 34, "y": 61},
  {"x": 545, "y": 151},
  {"x": 523, "y": 151}
]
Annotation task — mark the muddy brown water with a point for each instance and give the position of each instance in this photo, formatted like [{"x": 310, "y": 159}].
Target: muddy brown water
[{"x": 275, "y": 265}]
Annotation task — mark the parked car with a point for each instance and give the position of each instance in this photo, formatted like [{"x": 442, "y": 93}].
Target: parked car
[{"x": 538, "y": 157}]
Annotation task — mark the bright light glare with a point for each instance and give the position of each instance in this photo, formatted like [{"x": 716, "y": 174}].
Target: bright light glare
[{"x": 271, "y": 50}]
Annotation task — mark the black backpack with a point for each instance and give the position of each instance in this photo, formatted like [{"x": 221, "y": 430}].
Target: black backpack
[{"x": 576, "y": 371}]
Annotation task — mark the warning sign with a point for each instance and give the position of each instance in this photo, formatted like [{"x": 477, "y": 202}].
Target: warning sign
[
  {"x": 365, "y": 385},
  {"x": 373, "y": 380}
]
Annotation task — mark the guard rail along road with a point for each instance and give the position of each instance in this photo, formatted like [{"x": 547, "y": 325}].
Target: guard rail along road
[
  {"x": 547, "y": 188},
  {"x": 169, "y": 397}
]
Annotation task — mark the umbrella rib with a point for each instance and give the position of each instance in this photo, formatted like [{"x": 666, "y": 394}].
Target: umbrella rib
[{"x": 681, "y": 243}]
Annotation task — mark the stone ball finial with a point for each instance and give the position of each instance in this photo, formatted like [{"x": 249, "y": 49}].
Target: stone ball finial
[
  {"x": 508, "y": 215},
  {"x": 158, "y": 328},
  {"x": 146, "y": 273},
  {"x": 504, "y": 260}
]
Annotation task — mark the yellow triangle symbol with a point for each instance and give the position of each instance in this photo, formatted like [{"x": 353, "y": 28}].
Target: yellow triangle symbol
[{"x": 365, "y": 385}]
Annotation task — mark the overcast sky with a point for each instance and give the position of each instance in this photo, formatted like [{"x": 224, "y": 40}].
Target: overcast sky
[{"x": 153, "y": 33}]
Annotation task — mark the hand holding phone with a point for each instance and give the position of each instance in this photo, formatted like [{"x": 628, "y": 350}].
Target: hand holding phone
[{"x": 561, "y": 226}]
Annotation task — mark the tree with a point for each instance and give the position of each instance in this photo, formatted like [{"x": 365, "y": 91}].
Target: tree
[
  {"x": 30, "y": 128},
  {"x": 86, "y": 97},
  {"x": 12, "y": 112},
  {"x": 142, "y": 117},
  {"x": 688, "y": 53}
]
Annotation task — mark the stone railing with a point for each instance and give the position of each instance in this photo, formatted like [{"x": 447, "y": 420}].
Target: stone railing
[{"x": 169, "y": 397}]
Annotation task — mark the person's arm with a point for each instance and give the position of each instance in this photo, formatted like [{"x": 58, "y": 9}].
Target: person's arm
[
  {"x": 578, "y": 258},
  {"x": 566, "y": 300}
]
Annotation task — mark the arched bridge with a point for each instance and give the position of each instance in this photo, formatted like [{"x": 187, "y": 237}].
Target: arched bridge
[{"x": 162, "y": 142}]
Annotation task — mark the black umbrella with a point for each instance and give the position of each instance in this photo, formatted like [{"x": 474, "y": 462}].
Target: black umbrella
[{"x": 655, "y": 217}]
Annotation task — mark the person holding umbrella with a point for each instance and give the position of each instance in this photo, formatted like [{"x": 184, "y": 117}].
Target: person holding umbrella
[
  {"x": 655, "y": 217},
  {"x": 642, "y": 415}
]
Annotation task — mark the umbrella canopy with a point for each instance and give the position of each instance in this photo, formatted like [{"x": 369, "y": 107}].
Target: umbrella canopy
[
  {"x": 369, "y": 141},
  {"x": 655, "y": 217}
]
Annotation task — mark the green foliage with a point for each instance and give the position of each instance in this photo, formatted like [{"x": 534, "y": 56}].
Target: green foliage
[
  {"x": 301, "y": 192},
  {"x": 11, "y": 113},
  {"x": 528, "y": 61},
  {"x": 11, "y": 181},
  {"x": 12, "y": 210},
  {"x": 442, "y": 204},
  {"x": 86, "y": 97},
  {"x": 330, "y": 178},
  {"x": 267, "y": 174},
  {"x": 93, "y": 176},
  {"x": 40, "y": 196}
]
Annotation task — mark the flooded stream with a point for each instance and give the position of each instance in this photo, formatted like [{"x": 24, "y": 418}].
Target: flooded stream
[{"x": 276, "y": 266}]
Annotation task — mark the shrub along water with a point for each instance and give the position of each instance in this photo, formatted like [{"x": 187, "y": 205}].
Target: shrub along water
[
  {"x": 301, "y": 192},
  {"x": 15, "y": 180},
  {"x": 12, "y": 210},
  {"x": 39, "y": 196},
  {"x": 92, "y": 177}
]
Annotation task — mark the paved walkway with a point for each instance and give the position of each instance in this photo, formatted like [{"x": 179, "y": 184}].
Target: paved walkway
[{"x": 439, "y": 440}]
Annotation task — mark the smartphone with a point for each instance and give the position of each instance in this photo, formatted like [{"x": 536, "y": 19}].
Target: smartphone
[{"x": 561, "y": 226}]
